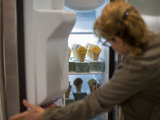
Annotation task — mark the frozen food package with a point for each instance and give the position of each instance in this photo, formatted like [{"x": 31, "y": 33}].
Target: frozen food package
[
  {"x": 93, "y": 51},
  {"x": 79, "y": 52}
]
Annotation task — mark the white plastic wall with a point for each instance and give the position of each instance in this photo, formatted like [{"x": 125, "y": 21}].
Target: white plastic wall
[
  {"x": 46, "y": 55},
  {"x": 49, "y": 4}
]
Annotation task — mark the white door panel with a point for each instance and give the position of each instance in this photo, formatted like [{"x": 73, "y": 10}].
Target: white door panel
[{"x": 46, "y": 55}]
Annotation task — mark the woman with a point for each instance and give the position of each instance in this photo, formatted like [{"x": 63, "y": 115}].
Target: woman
[{"x": 135, "y": 84}]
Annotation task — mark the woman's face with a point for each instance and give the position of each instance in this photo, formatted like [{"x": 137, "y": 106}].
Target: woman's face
[{"x": 120, "y": 46}]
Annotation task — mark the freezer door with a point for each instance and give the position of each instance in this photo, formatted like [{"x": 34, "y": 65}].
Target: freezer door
[
  {"x": 1, "y": 110},
  {"x": 9, "y": 78},
  {"x": 46, "y": 51}
]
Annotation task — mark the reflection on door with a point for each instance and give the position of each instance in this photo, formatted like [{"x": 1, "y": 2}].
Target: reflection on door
[{"x": 1, "y": 115}]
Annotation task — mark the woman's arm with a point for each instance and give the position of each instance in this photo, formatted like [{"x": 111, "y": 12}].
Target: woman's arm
[{"x": 128, "y": 80}]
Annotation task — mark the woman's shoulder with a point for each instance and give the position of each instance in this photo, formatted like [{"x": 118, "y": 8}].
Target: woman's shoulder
[
  {"x": 152, "y": 49},
  {"x": 151, "y": 54}
]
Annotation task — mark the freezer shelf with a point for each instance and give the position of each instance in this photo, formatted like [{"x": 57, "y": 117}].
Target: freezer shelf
[
  {"x": 85, "y": 88},
  {"x": 88, "y": 67},
  {"x": 84, "y": 73}
]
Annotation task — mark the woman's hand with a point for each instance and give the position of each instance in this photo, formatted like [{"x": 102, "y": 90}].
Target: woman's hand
[{"x": 35, "y": 113}]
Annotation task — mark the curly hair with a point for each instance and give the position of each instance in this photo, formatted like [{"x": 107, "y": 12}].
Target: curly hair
[{"x": 120, "y": 19}]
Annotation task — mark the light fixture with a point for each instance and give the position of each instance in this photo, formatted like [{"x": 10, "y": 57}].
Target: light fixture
[{"x": 83, "y": 5}]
